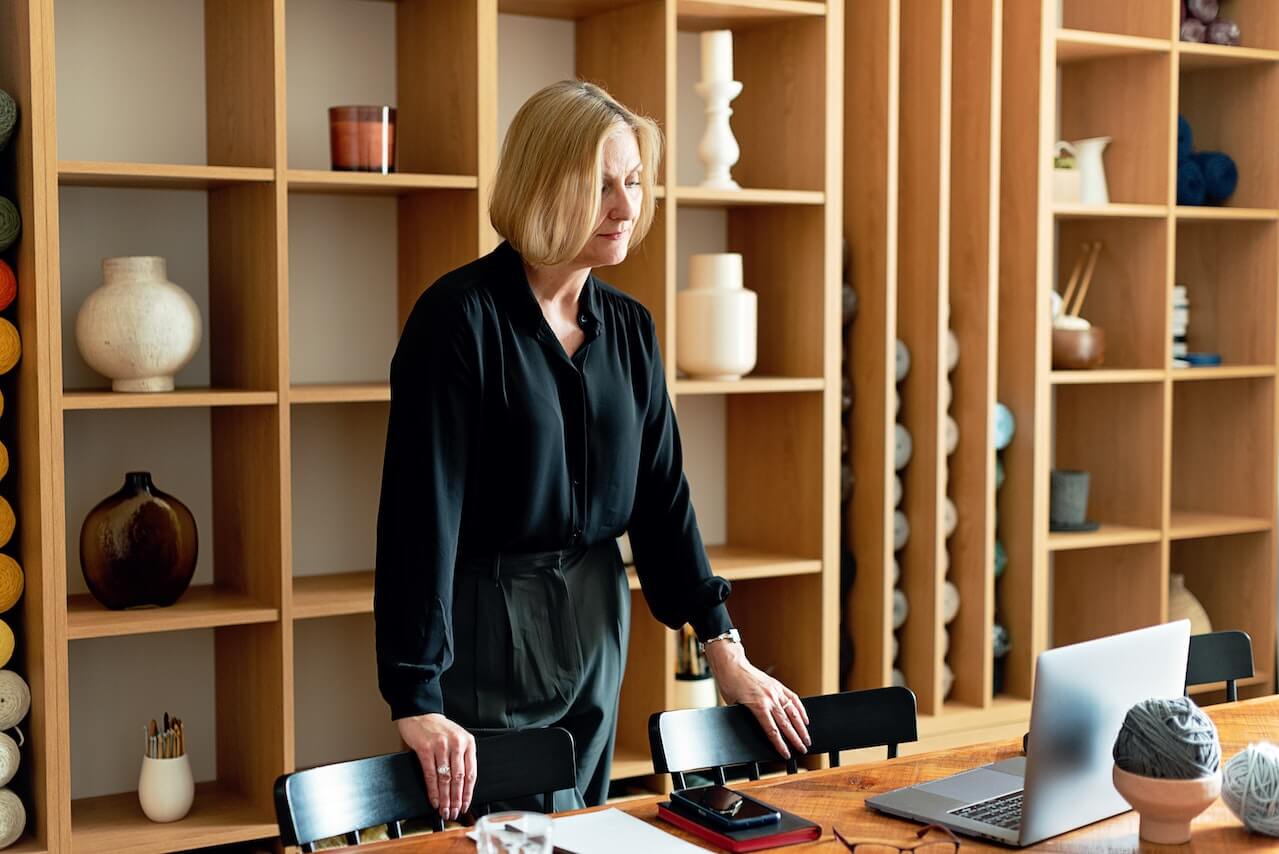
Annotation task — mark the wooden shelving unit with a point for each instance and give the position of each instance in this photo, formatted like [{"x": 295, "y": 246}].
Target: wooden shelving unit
[{"x": 781, "y": 423}]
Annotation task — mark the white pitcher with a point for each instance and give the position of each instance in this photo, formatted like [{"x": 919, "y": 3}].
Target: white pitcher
[{"x": 1092, "y": 171}]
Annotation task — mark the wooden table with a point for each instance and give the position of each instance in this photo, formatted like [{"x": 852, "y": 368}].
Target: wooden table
[{"x": 836, "y": 796}]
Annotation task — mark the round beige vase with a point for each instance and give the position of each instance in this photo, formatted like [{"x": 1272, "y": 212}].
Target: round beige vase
[
  {"x": 138, "y": 329},
  {"x": 1167, "y": 807},
  {"x": 716, "y": 319}
]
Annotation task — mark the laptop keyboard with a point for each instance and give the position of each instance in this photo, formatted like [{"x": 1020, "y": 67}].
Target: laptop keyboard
[{"x": 1003, "y": 811}]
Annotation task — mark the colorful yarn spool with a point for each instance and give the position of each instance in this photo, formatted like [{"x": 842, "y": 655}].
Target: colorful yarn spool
[
  {"x": 1250, "y": 787},
  {"x": 11, "y": 583},
  {"x": 10, "y": 223},
  {"x": 15, "y": 699},
  {"x": 7, "y": 643},
  {"x": 8, "y": 285},
  {"x": 10, "y": 346},
  {"x": 8, "y": 117}
]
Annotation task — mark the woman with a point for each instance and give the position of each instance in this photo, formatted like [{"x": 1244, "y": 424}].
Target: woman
[{"x": 529, "y": 427}]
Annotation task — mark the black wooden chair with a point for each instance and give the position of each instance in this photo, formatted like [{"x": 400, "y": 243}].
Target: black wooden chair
[
  {"x": 346, "y": 797},
  {"x": 1219, "y": 657},
  {"x": 726, "y": 736}
]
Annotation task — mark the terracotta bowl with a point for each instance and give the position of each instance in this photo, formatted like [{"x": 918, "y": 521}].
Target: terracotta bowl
[
  {"x": 1078, "y": 349},
  {"x": 1167, "y": 807}
]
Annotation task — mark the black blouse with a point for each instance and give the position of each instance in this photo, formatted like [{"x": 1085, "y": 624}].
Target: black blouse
[{"x": 498, "y": 441}]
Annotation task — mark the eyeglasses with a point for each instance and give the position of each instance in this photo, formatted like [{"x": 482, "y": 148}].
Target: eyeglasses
[{"x": 920, "y": 845}]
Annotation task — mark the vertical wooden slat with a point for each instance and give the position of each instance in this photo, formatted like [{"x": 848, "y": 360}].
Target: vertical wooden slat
[
  {"x": 240, "y": 69},
  {"x": 871, "y": 116},
  {"x": 974, "y": 300},
  {"x": 922, "y": 307}
]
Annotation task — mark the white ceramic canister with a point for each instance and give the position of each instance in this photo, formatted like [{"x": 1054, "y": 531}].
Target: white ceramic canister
[
  {"x": 716, "y": 319},
  {"x": 166, "y": 788},
  {"x": 138, "y": 329}
]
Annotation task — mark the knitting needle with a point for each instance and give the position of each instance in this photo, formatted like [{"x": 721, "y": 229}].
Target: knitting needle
[
  {"x": 1074, "y": 275},
  {"x": 1087, "y": 280}
]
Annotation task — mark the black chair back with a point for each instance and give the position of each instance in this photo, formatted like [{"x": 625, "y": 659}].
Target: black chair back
[
  {"x": 343, "y": 798},
  {"x": 713, "y": 739},
  {"x": 1219, "y": 657}
]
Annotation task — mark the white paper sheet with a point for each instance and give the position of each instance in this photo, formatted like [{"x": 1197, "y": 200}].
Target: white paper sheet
[{"x": 612, "y": 831}]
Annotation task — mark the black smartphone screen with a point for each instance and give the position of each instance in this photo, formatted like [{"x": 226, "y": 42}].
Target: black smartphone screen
[{"x": 727, "y": 803}]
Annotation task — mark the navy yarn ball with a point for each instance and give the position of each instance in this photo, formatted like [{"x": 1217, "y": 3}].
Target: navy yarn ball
[
  {"x": 1191, "y": 189},
  {"x": 1185, "y": 140},
  {"x": 1220, "y": 174}
]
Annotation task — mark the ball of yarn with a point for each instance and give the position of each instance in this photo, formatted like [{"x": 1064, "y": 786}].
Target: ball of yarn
[
  {"x": 952, "y": 350},
  {"x": 1169, "y": 739},
  {"x": 8, "y": 117},
  {"x": 903, "y": 446},
  {"x": 1250, "y": 787},
  {"x": 11, "y": 583},
  {"x": 1185, "y": 140},
  {"x": 8, "y": 285},
  {"x": 1001, "y": 558},
  {"x": 949, "y": 601},
  {"x": 1005, "y": 426},
  {"x": 10, "y": 223},
  {"x": 903, "y": 360},
  {"x": 897, "y": 490},
  {"x": 950, "y": 517},
  {"x": 899, "y": 678},
  {"x": 901, "y": 609},
  {"x": 952, "y": 435},
  {"x": 15, "y": 699},
  {"x": 849, "y": 298},
  {"x": 1194, "y": 30},
  {"x": 1000, "y": 642},
  {"x": 10, "y": 757},
  {"x": 4, "y": 456},
  {"x": 7, "y": 643},
  {"x": 901, "y": 530},
  {"x": 1204, "y": 10},
  {"x": 1191, "y": 189},
  {"x": 947, "y": 680},
  {"x": 945, "y": 643},
  {"x": 8, "y": 522},
  {"x": 10, "y": 346},
  {"x": 1221, "y": 176},
  {"x": 1223, "y": 31},
  {"x": 13, "y": 818}
]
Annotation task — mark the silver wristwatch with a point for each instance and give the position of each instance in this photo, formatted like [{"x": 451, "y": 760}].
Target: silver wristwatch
[{"x": 732, "y": 636}]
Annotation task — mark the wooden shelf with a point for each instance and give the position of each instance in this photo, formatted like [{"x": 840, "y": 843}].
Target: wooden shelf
[
  {"x": 1221, "y": 372},
  {"x": 217, "y": 817},
  {"x": 1189, "y": 525},
  {"x": 1198, "y": 213},
  {"x": 340, "y": 393},
  {"x": 1085, "y": 46},
  {"x": 201, "y": 607},
  {"x": 163, "y": 176},
  {"x": 1193, "y": 56},
  {"x": 334, "y": 595},
  {"x": 630, "y": 763},
  {"x": 1113, "y": 210},
  {"x": 697, "y": 15},
  {"x": 177, "y": 399},
  {"x": 1107, "y": 375},
  {"x": 372, "y": 183},
  {"x": 749, "y": 385},
  {"x": 1106, "y": 535},
  {"x": 568, "y": 9},
  {"x": 958, "y": 717},
  {"x": 1258, "y": 678},
  {"x": 699, "y": 197}
]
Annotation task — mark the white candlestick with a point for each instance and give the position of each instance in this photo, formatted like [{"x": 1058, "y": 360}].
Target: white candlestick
[
  {"x": 717, "y": 56},
  {"x": 718, "y": 149}
]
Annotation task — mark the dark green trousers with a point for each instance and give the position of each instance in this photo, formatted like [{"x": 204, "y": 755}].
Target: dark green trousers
[{"x": 540, "y": 640}]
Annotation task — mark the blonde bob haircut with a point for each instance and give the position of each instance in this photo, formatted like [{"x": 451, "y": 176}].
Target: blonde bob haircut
[{"x": 546, "y": 194}]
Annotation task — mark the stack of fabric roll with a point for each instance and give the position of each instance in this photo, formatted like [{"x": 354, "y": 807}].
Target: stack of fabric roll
[{"x": 1203, "y": 177}]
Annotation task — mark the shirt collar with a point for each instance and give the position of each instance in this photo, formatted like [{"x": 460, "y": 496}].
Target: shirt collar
[{"x": 524, "y": 303}]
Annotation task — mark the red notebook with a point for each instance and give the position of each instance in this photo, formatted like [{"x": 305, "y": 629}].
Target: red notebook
[{"x": 791, "y": 830}]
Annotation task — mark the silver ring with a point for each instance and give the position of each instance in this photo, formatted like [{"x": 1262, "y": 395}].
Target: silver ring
[
  {"x": 443, "y": 771},
  {"x": 785, "y": 702}
]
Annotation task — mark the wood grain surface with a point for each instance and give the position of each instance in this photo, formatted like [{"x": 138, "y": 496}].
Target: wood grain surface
[{"x": 835, "y": 797}]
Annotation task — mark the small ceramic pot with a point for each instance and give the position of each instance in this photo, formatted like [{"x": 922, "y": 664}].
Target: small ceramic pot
[
  {"x": 166, "y": 788},
  {"x": 1078, "y": 349},
  {"x": 1167, "y": 806}
]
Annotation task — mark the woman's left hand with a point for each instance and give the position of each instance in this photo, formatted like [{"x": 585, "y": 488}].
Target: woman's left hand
[{"x": 777, "y": 708}]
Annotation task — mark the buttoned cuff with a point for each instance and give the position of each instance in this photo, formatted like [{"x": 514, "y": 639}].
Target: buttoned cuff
[
  {"x": 424, "y": 698},
  {"x": 713, "y": 622}
]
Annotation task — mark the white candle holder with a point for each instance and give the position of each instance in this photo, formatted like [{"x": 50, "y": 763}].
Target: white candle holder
[{"x": 718, "y": 150}]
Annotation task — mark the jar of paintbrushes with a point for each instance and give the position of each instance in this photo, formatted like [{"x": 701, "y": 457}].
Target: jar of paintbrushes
[
  {"x": 165, "y": 786},
  {"x": 1077, "y": 344},
  {"x": 694, "y": 685}
]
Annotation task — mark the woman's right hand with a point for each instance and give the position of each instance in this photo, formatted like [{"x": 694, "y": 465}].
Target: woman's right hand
[{"x": 441, "y": 744}]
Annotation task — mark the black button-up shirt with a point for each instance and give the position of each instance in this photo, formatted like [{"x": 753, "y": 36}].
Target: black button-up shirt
[{"x": 499, "y": 440}]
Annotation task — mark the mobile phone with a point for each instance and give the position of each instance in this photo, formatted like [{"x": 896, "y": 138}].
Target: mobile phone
[{"x": 724, "y": 808}]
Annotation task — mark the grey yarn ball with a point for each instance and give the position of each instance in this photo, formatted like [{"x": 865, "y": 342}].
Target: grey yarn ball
[
  {"x": 1250, "y": 787},
  {"x": 1168, "y": 740},
  {"x": 8, "y": 117},
  {"x": 10, "y": 223}
]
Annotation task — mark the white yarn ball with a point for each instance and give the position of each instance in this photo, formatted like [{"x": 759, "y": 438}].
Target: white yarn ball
[
  {"x": 1250, "y": 787},
  {"x": 13, "y": 818},
  {"x": 901, "y": 609},
  {"x": 950, "y": 517},
  {"x": 897, "y": 403},
  {"x": 903, "y": 446},
  {"x": 949, "y": 602},
  {"x": 10, "y": 757},
  {"x": 901, "y": 530},
  {"x": 897, "y": 490},
  {"x": 903, "y": 360},
  {"x": 899, "y": 678},
  {"x": 15, "y": 699},
  {"x": 947, "y": 680},
  {"x": 945, "y": 394},
  {"x": 952, "y": 350},
  {"x": 952, "y": 435}
]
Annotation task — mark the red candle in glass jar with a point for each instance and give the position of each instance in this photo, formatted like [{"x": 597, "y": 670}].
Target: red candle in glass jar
[{"x": 362, "y": 138}]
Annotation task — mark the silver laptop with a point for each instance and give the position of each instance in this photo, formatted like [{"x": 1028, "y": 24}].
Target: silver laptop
[{"x": 1082, "y": 693}]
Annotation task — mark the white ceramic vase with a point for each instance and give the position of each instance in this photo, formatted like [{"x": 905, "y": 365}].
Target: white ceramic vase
[
  {"x": 717, "y": 319},
  {"x": 1092, "y": 171},
  {"x": 138, "y": 329},
  {"x": 166, "y": 788}
]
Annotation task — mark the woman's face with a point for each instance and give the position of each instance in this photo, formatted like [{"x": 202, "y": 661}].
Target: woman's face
[{"x": 620, "y": 197}]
